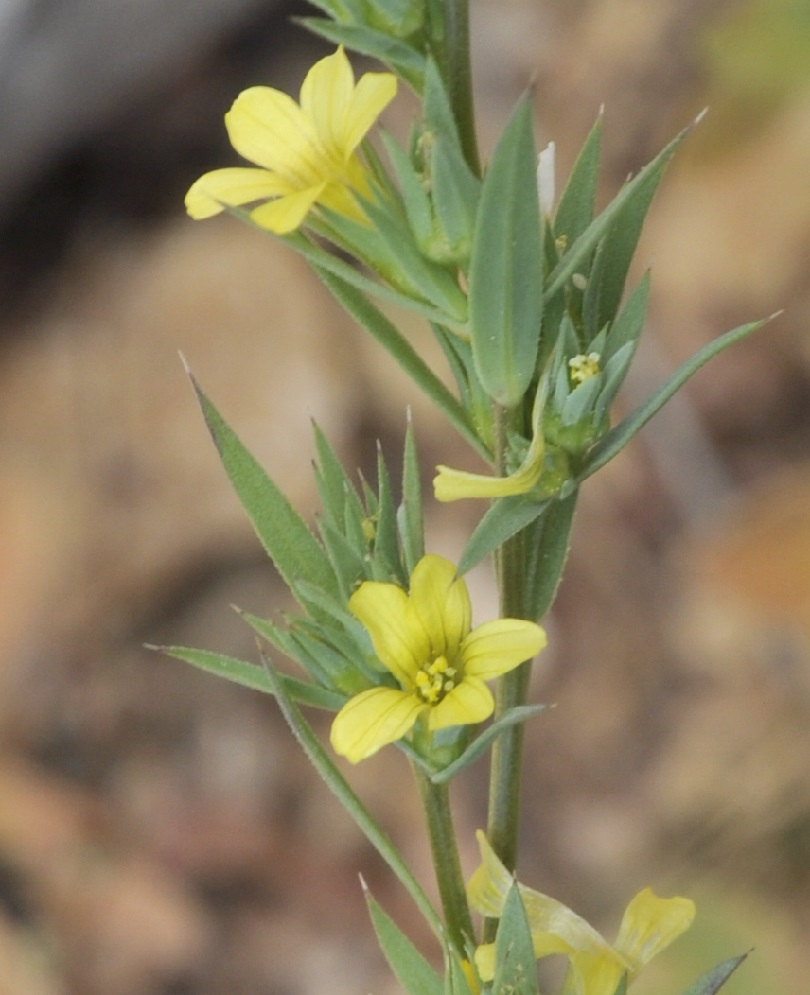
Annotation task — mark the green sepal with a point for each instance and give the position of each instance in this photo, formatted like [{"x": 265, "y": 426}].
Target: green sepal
[
  {"x": 410, "y": 968},
  {"x": 503, "y": 519},
  {"x": 712, "y": 981},
  {"x": 481, "y": 743},
  {"x": 576, "y": 206},
  {"x": 515, "y": 965},
  {"x": 387, "y": 334},
  {"x": 402, "y": 58},
  {"x": 640, "y": 190},
  {"x": 340, "y": 787},
  {"x": 618, "y": 437},
  {"x": 410, "y": 517},
  {"x": 293, "y": 549},
  {"x": 546, "y": 544},
  {"x": 506, "y": 266},
  {"x": 249, "y": 675},
  {"x": 621, "y": 988}
]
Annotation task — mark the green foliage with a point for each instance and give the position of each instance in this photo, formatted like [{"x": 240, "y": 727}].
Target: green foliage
[
  {"x": 515, "y": 968},
  {"x": 506, "y": 266},
  {"x": 712, "y": 981},
  {"x": 410, "y": 968}
]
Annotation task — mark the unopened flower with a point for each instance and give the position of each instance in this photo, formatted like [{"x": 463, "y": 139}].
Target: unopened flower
[
  {"x": 546, "y": 183},
  {"x": 583, "y": 367},
  {"x": 595, "y": 967},
  {"x": 306, "y": 153},
  {"x": 424, "y": 638}
]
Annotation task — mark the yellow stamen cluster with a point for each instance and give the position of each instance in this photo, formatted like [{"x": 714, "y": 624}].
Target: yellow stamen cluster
[
  {"x": 434, "y": 680},
  {"x": 584, "y": 367}
]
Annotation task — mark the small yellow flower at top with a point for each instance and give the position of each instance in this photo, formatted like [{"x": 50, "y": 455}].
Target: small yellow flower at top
[
  {"x": 306, "y": 153},
  {"x": 596, "y": 967},
  {"x": 584, "y": 367},
  {"x": 425, "y": 639}
]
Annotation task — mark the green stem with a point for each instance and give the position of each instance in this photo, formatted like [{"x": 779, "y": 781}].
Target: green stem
[
  {"x": 446, "y": 862},
  {"x": 512, "y": 691},
  {"x": 458, "y": 77}
]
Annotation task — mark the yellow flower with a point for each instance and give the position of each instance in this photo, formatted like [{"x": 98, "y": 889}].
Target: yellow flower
[
  {"x": 649, "y": 925},
  {"x": 306, "y": 153},
  {"x": 424, "y": 638}
]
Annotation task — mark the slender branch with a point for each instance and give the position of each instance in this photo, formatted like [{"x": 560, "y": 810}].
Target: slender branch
[{"x": 446, "y": 862}]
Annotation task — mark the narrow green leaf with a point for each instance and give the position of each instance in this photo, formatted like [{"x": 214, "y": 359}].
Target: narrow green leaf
[
  {"x": 404, "y": 60},
  {"x": 340, "y": 787},
  {"x": 515, "y": 966},
  {"x": 502, "y": 520},
  {"x": 249, "y": 675},
  {"x": 293, "y": 549},
  {"x": 413, "y": 192},
  {"x": 575, "y": 259},
  {"x": 575, "y": 210},
  {"x": 618, "y": 437},
  {"x": 712, "y": 981},
  {"x": 481, "y": 743},
  {"x": 628, "y": 325},
  {"x": 455, "y": 980},
  {"x": 410, "y": 968},
  {"x": 506, "y": 266},
  {"x": 331, "y": 478},
  {"x": 547, "y": 542},
  {"x": 386, "y": 333},
  {"x": 386, "y": 545},
  {"x": 410, "y": 518}
]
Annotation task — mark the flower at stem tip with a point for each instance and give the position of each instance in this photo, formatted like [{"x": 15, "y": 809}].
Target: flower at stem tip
[
  {"x": 425, "y": 639},
  {"x": 306, "y": 153},
  {"x": 596, "y": 967}
]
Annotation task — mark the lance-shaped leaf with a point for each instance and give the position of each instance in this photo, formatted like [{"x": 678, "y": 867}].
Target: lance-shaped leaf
[
  {"x": 293, "y": 549},
  {"x": 575, "y": 210},
  {"x": 506, "y": 517},
  {"x": 481, "y": 743},
  {"x": 547, "y": 542},
  {"x": 712, "y": 981},
  {"x": 410, "y": 968},
  {"x": 515, "y": 966},
  {"x": 249, "y": 675},
  {"x": 506, "y": 265},
  {"x": 617, "y": 438}
]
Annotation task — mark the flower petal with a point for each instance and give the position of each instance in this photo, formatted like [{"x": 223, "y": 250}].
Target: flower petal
[
  {"x": 470, "y": 701},
  {"x": 499, "y": 646},
  {"x": 326, "y": 95},
  {"x": 650, "y": 924},
  {"x": 373, "y": 93},
  {"x": 441, "y": 603},
  {"x": 593, "y": 974},
  {"x": 401, "y": 645},
  {"x": 373, "y": 719},
  {"x": 233, "y": 186},
  {"x": 285, "y": 214},
  {"x": 267, "y": 127}
]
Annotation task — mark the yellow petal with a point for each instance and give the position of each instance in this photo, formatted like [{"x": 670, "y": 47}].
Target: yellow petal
[
  {"x": 371, "y": 96},
  {"x": 233, "y": 186},
  {"x": 401, "y": 645},
  {"x": 371, "y": 720},
  {"x": 469, "y": 702},
  {"x": 440, "y": 605},
  {"x": 499, "y": 646},
  {"x": 285, "y": 214},
  {"x": 593, "y": 974},
  {"x": 650, "y": 924},
  {"x": 267, "y": 127},
  {"x": 326, "y": 95}
]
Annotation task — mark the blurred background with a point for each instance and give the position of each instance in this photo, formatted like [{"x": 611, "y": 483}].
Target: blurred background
[{"x": 159, "y": 832}]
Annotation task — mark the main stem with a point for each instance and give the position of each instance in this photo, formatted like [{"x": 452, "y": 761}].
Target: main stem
[
  {"x": 446, "y": 862},
  {"x": 512, "y": 691}
]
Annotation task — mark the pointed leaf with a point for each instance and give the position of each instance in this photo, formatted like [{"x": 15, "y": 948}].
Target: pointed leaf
[
  {"x": 618, "y": 437},
  {"x": 713, "y": 980},
  {"x": 515, "y": 966},
  {"x": 251, "y": 676},
  {"x": 503, "y": 519},
  {"x": 410, "y": 968},
  {"x": 548, "y": 540},
  {"x": 481, "y": 743},
  {"x": 506, "y": 266},
  {"x": 293, "y": 549},
  {"x": 409, "y": 514},
  {"x": 575, "y": 210}
]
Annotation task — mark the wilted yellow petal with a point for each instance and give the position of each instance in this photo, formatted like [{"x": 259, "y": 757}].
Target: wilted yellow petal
[
  {"x": 650, "y": 924},
  {"x": 373, "y": 719}
]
